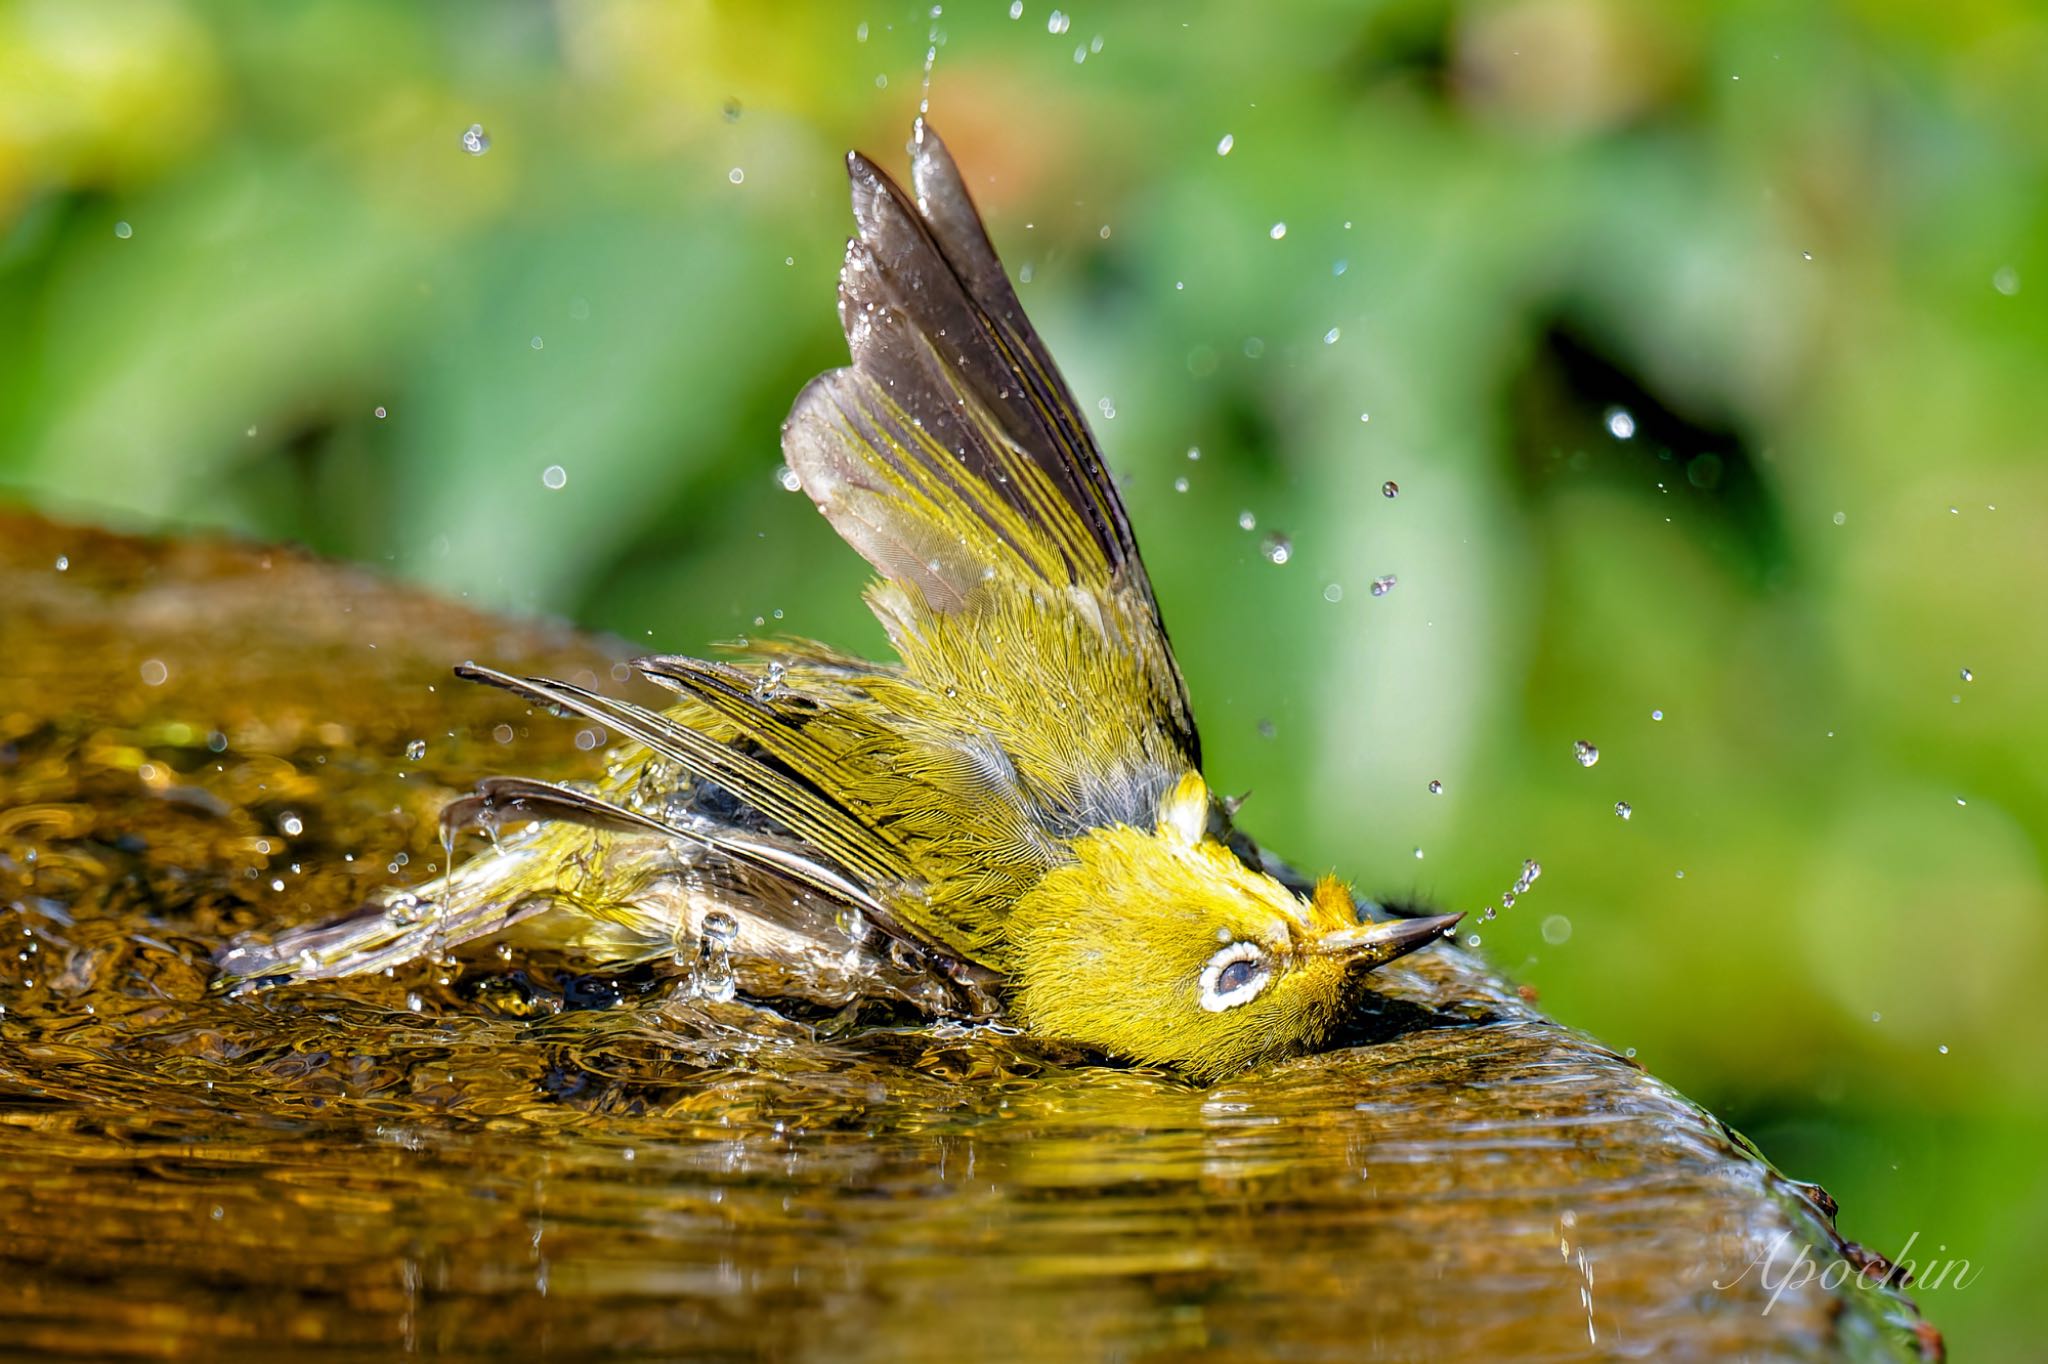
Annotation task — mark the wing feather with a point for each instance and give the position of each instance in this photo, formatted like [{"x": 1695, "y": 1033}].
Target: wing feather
[{"x": 951, "y": 452}]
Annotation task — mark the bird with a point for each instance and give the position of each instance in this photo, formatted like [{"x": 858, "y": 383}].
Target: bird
[{"x": 1008, "y": 822}]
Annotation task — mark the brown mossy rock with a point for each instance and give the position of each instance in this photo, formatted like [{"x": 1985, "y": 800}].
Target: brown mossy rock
[{"x": 198, "y": 738}]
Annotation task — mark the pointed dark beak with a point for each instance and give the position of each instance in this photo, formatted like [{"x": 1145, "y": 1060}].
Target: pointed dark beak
[{"x": 1370, "y": 945}]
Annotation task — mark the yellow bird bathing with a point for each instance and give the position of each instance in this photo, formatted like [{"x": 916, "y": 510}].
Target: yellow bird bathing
[{"x": 1009, "y": 820}]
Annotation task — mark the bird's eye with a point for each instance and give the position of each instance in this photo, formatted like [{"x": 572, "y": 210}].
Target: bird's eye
[{"x": 1234, "y": 975}]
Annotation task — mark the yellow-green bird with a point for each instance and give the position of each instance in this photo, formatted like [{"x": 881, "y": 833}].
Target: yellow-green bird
[{"x": 1009, "y": 820}]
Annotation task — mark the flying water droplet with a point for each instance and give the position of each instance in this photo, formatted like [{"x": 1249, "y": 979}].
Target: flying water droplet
[
  {"x": 63, "y": 563},
  {"x": 1334, "y": 592},
  {"x": 416, "y": 750},
  {"x": 123, "y": 231},
  {"x": 476, "y": 141},
  {"x": 1557, "y": 930},
  {"x": 1180, "y": 485},
  {"x": 1586, "y": 753},
  {"x": 1621, "y": 424},
  {"x": 290, "y": 824},
  {"x": 788, "y": 479},
  {"x": 554, "y": 478},
  {"x": 1969, "y": 676},
  {"x": 1277, "y": 548},
  {"x": 1223, "y": 147},
  {"x": 1383, "y": 585},
  {"x": 1279, "y": 230},
  {"x": 1390, "y": 490},
  {"x": 1246, "y": 521},
  {"x": 1624, "y": 809},
  {"x": 1436, "y": 788},
  {"x": 1331, "y": 336}
]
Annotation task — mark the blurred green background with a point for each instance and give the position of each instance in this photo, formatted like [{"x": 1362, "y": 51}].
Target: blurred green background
[{"x": 1705, "y": 343}]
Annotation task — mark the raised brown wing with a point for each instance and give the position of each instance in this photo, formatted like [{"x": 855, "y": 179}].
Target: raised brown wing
[{"x": 951, "y": 452}]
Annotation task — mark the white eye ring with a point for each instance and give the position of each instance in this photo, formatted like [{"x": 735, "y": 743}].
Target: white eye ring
[{"x": 1243, "y": 987}]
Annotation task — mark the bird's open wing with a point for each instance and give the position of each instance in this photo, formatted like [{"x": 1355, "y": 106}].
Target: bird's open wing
[{"x": 951, "y": 454}]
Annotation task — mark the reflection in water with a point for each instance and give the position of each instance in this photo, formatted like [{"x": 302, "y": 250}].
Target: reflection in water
[{"x": 506, "y": 1156}]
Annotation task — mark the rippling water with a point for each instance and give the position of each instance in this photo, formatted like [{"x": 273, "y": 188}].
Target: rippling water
[{"x": 511, "y": 1157}]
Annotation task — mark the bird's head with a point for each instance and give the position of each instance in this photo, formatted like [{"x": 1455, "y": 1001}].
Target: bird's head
[{"x": 1162, "y": 946}]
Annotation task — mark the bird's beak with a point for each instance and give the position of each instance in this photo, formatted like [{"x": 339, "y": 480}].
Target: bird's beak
[{"x": 1370, "y": 945}]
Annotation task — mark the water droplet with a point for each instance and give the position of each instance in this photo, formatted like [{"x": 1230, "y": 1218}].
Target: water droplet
[
  {"x": 290, "y": 824},
  {"x": 502, "y": 733},
  {"x": 1390, "y": 490},
  {"x": 1334, "y": 592},
  {"x": 1656, "y": 714},
  {"x": 1841, "y": 518},
  {"x": 732, "y": 110},
  {"x": 1279, "y": 230},
  {"x": 416, "y": 750},
  {"x": 1058, "y": 23},
  {"x": 588, "y": 739},
  {"x": 720, "y": 928},
  {"x": 2006, "y": 280},
  {"x": 1876, "y": 1017},
  {"x": 1961, "y": 801},
  {"x": 536, "y": 343},
  {"x": 1223, "y": 147},
  {"x": 1943, "y": 1049},
  {"x": 155, "y": 672},
  {"x": 1621, "y": 424},
  {"x": 1436, "y": 788},
  {"x": 63, "y": 563},
  {"x": 1180, "y": 485},
  {"x": 1016, "y": 9},
  {"x": 1365, "y": 416},
  {"x": 1472, "y": 941},
  {"x": 1267, "y": 729},
  {"x": 476, "y": 141},
  {"x": 1418, "y": 854},
  {"x": 788, "y": 479},
  {"x": 403, "y": 908},
  {"x": 1383, "y": 585},
  {"x": 554, "y": 477},
  {"x": 1585, "y": 752},
  {"x": 1557, "y": 930},
  {"x": 1194, "y": 452},
  {"x": 737, "y": 175},
  {"x": 1630, "y": 1053},
  {"x": 123, "y": 231},
  {"x": 1277, "y": 548},
  {"x": 1624, "y": 809},
  {"x": 1330, "y": 337},
  {"x": 1246, "y": 521},
  {"x": 380, "y": 414},
  {"x": 1969, "y": 676},
  {"x": 770, "y": 685}
]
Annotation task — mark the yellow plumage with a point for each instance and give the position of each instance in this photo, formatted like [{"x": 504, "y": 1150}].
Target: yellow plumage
[{"x": 1011, "y": 817}]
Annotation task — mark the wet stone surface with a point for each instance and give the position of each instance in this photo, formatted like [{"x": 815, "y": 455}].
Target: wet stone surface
[{"x": 511, "y": 1154}]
